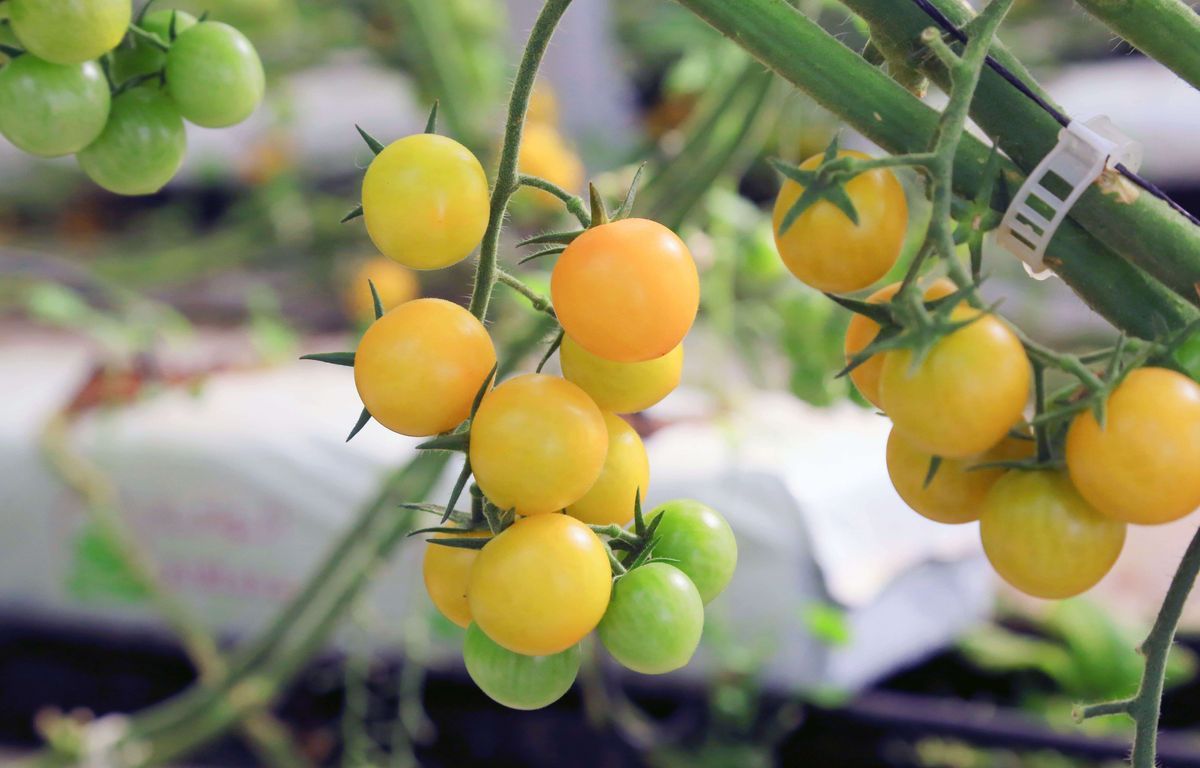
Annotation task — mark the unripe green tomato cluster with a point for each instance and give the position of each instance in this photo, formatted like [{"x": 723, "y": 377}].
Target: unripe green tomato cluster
[
  {"x": 1049, "y": 532},
  {"x": 550, "y": 451},
  {"x": 55, "y": 99}
]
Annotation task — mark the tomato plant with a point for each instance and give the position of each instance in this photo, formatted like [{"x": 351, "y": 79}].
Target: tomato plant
[
  {"x": 621, "y": 387},
  {"x": 419, "y": 367},
  {"x": 541, "y": 585},
  {"x": 967, "y": 392},
  {"x": 654, "y": 620},
  {"x": 138, "y": 56},
  {"x": 70, "y": 31},
  {"x": 214, "y": 75},
  {"x": 447, "y": 572},
  {"x": 627, "y": 290},
  {"x": 52, "y": 109},
  {"x": 699, "y": 542},
  {"x": 1043, "y": 538},
  {"x": 825, "y": 248},
  {"x": 958, "y": 488},
  {"x": 515, "y": 680},
  {"x": 442, "y": 190},
  {"x": 625, "y": 475},
  {"x": 862, "y": 330},
  {"x": 1143, "y": 465},
  {"x": 141, "y": 146},
  {"x": 538, "y": 443}
]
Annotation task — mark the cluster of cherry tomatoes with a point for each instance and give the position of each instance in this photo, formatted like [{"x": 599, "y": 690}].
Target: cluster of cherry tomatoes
[
  {"x": 1050, "y": 528},
  {"x": 549, "y": 450},
  {"x": 85, "y": 79}
]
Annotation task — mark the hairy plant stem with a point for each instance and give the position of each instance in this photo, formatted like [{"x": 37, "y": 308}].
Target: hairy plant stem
[
  {"x": 507, "y": 178},
  {"x": 843, "y": 82},
  {"x": 1165, "y": 30}
]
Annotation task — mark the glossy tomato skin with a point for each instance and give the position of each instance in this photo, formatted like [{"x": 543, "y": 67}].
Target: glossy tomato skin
[
  {"x": 627, "y": 290},
  {"x": 958, "y": 490},
  {"x": 1043, "y": 538},
  {"x": 49, "y": 109},
  {"x": 447, "y": 572},
  {"x": 141, "y": 147},
  {"x": 70, "y": 31},
  {"x": 538, "y": 443},
  {"x": 140, "y": 57},
  {"x": 214, "y": 75},
  {"x": 654, "y": 621},
  {"x": 862, "y": 331},
  {"x": 419, "y": 367},
  {"x": 621, "y": 387},
  {"x": 541, "y": 585},
  {"x": 699, "y": 542},
  {"x": 625, "y": 475},
  {"x": 515, "y": 680},
  {"x": 966, "y": 394},
  {"x": 1143, "y": 465},
  {"x": 828, "y": 251},
  {"x": 425, "y": 201}
]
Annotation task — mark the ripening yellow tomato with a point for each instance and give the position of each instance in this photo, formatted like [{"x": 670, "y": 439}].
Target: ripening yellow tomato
[
  {"x": 621, "y": 387},
  {"x": 425, "y": 201},
  {"x": 627, "y": 290},
  {"x": 395, "y": 284},
  {"x": 541, "y": 585},
  {"x": 863, "y": 330},
  {"x": 70, "y": 31},
  {"x": 1043, "y": 538},
  {"x": 626, "y": 474},
  {"x": 545, "y": 154},
  {"x": 965, "y": 395},
  {"x": 419, "y": 367},
  {"x": 958, "y": 489},
  {"x": 538, "y": 444},
  {"x": 1143, "y": 465},
  {"x": 827, "y": 250},
  {"x": 447, "y": 572}
]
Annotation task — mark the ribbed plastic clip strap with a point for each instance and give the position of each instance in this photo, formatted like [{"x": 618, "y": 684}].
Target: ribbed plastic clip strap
[{"x": 1084, "y": 150}]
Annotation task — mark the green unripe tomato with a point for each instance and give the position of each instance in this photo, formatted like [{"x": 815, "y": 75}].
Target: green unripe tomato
[
  {"x": 70, "y": 31},
  {"x": 139, "y": 56},
  {"x": 214, "y": 75},
  {"x": 654, "y": 621},
  {"x": 50, "y": 109},
  {"x": 700, "y": 543},
  {"x": 516, "y": 681},
  {"x": 142, "y": 146}
]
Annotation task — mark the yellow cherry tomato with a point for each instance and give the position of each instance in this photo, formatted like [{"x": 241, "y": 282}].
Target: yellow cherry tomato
[
  {"x": 541, "y": 585},
  {"x": 828, "y": 251},
  {"x": 1043, "y": 538},
  {"x": 544, "y": 153},
  {"x": 863, "y": 330},
  {"x": 957, "y": 491},
  {"x": 626, "y": 473},
  {"x": 621, "y": 387},
  {"x": 425, "y": 201},
  {"x": 396, "y": 285},
  {"x": 1143, "y": 465},
  {"x": 966, "y": 394},
  {"x": 419, "y": 366},
  {"x": 627, "y": 290},
  {"x": 538, "y": 444},
  {"x": 447, "y": 572}
]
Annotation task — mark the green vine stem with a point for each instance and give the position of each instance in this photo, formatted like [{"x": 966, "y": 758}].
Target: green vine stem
[
  {"x": 1145, "y": 705},
  {"x": 507, "y": 178},
  {"x": 1137, "y": 225},
  {"x": 847, "y": 85},
  {"x": 1168, "y": 31}
]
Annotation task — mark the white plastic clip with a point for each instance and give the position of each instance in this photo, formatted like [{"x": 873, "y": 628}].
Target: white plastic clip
[{"x": 1084, "y": 150}]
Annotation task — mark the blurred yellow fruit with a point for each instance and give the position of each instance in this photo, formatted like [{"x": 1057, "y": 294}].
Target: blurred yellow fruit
[
  {"x": 543, "y": 105},
  {"x": 396, "y": 285},
  {"x": 545, "y": 153}
]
